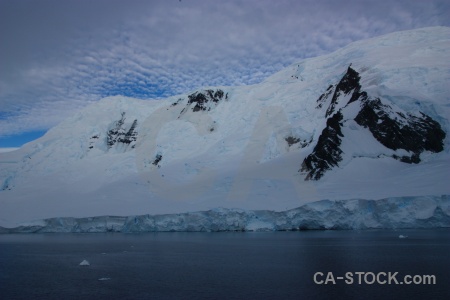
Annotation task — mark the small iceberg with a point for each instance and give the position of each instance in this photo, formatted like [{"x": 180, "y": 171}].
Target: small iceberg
[
  {"x": 401, "y": 236},
  {"x": 85, "y": 263},
  {"x": 104, "y": 278}
]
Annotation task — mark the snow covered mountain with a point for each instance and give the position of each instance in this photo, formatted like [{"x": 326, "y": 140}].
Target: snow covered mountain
[{"x": 369, "y": 121}]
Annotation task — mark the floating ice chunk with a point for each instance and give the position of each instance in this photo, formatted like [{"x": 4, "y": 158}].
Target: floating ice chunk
[
  {"x": 85, "y": 263},
  {"x": 104, "y": 278},
  {"x": 402, "y": 236}
]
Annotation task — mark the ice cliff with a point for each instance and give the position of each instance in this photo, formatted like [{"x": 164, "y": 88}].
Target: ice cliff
[{"x": 393, "y": 213}]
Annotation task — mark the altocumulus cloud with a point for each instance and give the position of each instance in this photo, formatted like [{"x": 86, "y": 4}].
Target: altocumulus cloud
[{"x": 56, "y": 57}]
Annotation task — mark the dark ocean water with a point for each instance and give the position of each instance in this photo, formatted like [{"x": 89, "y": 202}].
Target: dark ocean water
[{"x": 273, "y": 265}]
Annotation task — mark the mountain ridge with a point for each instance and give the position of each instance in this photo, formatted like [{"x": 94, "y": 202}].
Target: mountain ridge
[{"x": 244, "y": 146}]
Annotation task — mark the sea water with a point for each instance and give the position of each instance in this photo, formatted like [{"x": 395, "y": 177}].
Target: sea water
[{"x": 228, "y": 265}]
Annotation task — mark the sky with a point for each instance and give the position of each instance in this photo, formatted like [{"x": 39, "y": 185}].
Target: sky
[{"x": 58, "y": 56}]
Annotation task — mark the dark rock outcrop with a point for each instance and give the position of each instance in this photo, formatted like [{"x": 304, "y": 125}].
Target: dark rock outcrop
[
  {"x": 201, "y": 99},
  {"x": 326, "y": 153},
  {"x": 130, "y": 136},
  {"x": 292, "y": 140},
  {"x": 324, "y": 97},
  {"x": 348, "y": 83},
  {"x": 158, "y": 158},
  {"x": 119, "y": 134},
  {"x": 394, "y": 129},
  {"x": 116, "y": 132},
  {"x": 398, "y": 131}
]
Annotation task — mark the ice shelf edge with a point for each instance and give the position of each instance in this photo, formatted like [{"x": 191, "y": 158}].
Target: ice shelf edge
[{"x": 388, "y": 213}]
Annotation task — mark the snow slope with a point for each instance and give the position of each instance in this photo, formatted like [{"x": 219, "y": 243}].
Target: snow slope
[
  {"x": 9, "y": 149},
  {"x": 243, "y": 147}
]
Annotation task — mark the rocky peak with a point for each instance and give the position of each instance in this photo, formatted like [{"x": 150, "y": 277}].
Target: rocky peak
[
  {"x": 348, "y": 83},
  {"x": 389, "y": 125},
  {"x": 203, "y": 99}
]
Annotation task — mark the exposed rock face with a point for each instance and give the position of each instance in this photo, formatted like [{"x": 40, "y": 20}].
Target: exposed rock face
[
  {"x": 158, "y": 158},
  {"x": 389, "y": 125},
  {"x": 115, "y": 133},
  {"x": 326, "y": 153},
  {"x": 119, "y": 134},
  {"x": 348, "y": 83},
  {"x": 201, "y": 100},
  {"x": 130, "y": 136},
  {"x": 398, "y": 131},
  {"x": 291, "y": 140},
  {"x": 323, "y": 98}
]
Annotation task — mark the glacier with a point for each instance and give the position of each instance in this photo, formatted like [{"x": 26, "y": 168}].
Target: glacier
[
  {"x": 249, "y": 149},
  {"x": 389, "y": 213}
]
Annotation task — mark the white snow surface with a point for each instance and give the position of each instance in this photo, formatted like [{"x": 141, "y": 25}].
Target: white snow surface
[
  {"x": 8, "y": 149},
  {"x": 235, "y": 156}
]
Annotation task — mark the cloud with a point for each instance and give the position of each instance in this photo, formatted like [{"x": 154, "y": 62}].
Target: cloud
[{"x": 59, "y": 56}]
